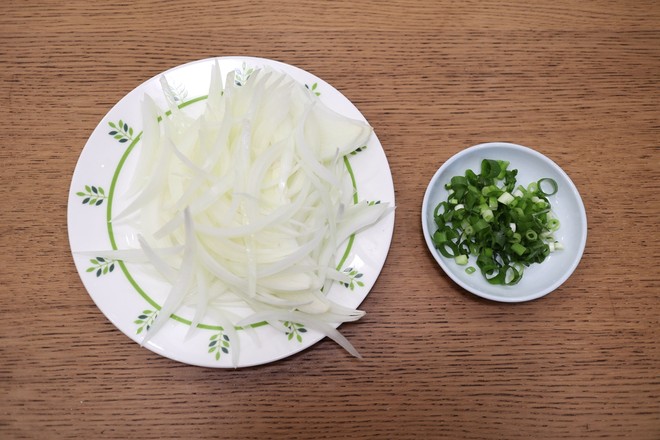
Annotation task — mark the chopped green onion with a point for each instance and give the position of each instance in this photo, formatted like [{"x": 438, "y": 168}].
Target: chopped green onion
[
  {"x": 507, "y": 226},
  {"x": 490, "y": 168},
  {"x": 518, "y": 248},
  {"x": 505, "y": 198},
  {"x": 553, "y": 224},
  {"x": 531, "y": 235},
  {"x": 553, "y": 186},
  {"x": 470, "y": 270},
  {"x": 461, "y": 260}
]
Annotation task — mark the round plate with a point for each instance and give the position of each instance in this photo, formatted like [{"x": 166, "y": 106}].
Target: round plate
[
  {"x": 130, "y": 299},
  {"x": 538, "y": 279}
]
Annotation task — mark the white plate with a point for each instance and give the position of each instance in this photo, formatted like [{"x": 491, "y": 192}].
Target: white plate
[
  {"x": 538, "y": 279},
  {"x": 129, "y": 299}
]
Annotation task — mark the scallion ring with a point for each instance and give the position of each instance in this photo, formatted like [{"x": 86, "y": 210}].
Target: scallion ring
[{"x": 553, "y": 185}]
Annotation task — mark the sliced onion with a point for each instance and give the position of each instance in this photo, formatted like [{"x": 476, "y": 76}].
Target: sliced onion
[{"x": 254, "y": 196}]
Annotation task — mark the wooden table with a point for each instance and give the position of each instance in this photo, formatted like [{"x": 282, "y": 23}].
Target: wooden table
[{"x": 577, "y": 80}]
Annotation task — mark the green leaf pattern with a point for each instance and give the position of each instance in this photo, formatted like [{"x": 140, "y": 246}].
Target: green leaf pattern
[
  {"x": 145, "y": 320},
  {"x": 313, "y": 88},
  {"x": 358, "y": 149},
  {"x": 243, "y": 74},
  {"x": 294, "y": 330},
  {"x": 121, "y": 131},
  {"x": 101, "y": 266},
  {"x": 354, "y": 276},
  {"x": 92, "y": 196},
  {"x": 219, "y": 344},
  {"x": 179, "y": 92}
]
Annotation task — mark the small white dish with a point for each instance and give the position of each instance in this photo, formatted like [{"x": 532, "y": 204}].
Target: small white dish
[{"x": 538, "y": 279}]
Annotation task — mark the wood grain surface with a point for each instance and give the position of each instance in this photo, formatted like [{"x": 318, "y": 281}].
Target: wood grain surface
[{"x": 577, "y": 80}]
